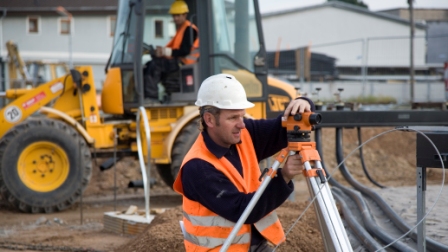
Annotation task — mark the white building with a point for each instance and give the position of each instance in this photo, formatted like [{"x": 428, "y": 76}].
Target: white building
[{"x": 353, "y": 35}]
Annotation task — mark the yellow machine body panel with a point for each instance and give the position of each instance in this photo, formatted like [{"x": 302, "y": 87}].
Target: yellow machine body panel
[
  {"x": 278, "y": 102},
  {"x": 112, "y": 93},
  {"x": 103, "y": 135},
  {"x": 68, "y": 102},
  {"x": 162, "y": 122},
  {"x": 89, "y": 108},
  {"x": 27, "y": 102},
  {"x": 258, "y": 111}
]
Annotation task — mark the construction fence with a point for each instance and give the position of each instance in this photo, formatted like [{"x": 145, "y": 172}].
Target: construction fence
[{"x": 377, "y": 66}]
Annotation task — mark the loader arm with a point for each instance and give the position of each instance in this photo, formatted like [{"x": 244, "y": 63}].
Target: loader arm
[
  {"x": 16, "y": 63},
  {"x": 25, "y": 102}
]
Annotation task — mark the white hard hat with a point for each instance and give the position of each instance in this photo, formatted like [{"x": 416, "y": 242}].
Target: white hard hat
[{"x": 223, "y": 91}]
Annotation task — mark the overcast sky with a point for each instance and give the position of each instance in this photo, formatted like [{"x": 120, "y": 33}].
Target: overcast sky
[{"x": 374, "y": 5}]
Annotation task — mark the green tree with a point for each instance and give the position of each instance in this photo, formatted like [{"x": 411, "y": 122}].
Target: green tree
[{"x": 354, "y": 2}]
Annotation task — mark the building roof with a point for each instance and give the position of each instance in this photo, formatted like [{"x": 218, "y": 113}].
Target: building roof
[
  {"x": 53, "y": 3},
  {"x": 49, "y": 6},
  {"x": 426, "y": 14},
  {"x": 344, "y": 6}
]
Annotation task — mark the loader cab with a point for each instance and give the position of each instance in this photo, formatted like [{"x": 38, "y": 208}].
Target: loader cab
[{"x": 230, "y": 38}]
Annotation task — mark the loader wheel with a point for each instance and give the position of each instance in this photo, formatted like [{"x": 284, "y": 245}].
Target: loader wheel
[
  {"x": 181, "y": 146},
  {"x": 45, "y": 165}
]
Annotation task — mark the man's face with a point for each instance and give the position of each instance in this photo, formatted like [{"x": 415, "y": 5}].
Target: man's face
[
  {"x": 179, "y": 19},
  {"x": 228, "y": 130}
]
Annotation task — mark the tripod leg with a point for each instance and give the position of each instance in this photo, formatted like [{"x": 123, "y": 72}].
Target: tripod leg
[{"x": 333, "y": 232}]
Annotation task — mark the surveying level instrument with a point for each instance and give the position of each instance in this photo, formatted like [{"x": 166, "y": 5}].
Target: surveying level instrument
[{"x": 298, "y": 128}]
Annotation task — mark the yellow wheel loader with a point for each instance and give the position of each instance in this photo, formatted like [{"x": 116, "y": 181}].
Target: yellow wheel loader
[{"x": 50, "y": 134}]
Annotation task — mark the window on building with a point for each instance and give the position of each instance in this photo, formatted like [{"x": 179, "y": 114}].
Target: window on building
[
  {"x": 171, "y": 29},
  {"x": 33, "y": 25},
  {"x": 159, "y": 29},
  {"x": 65, "y": 26},
  {"x": 112, "y": 25}
]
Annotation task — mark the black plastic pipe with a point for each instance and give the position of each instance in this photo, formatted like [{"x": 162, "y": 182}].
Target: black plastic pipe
[
  {"x": 366, "y": 239},
  {"x": 367, "y": 218},
  {"x": 358, "y": 229},
  {"x": 139, "y": 183},
  {"x": 431, "y": 244},
  {"x": 361, "y": 157}
]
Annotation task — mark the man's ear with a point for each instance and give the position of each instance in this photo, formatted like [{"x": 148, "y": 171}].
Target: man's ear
[{"x": 209, "y": 119}]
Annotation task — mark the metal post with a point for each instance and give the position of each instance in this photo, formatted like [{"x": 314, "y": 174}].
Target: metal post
[
  {"x": 421, "y": 208},
  {"x": 367, "y": 59},
  {"x": 364, "y": 65},
  {"x": 411, "y": 67},
  {"x": 70, "y": 47},
  {"x": 63, "y": 12},
  {"x": 302, "y": 67},
  {"x": 115, "y": 168},
  {"x": 2, "y": 63},
  {"x": 141, "y": 115},
  {"x": 3, "y": 11},
  {"x": 445, "y": 78}
]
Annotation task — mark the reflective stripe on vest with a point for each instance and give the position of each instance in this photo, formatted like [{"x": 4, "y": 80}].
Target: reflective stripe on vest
[
  {"x": 209, "y": 221},
  {"x": 203, "y": 225},
  {"x": 211, "y": 242},
  {"x": 266, "y": 222},
  {"x": 176, "y": 41},
  {"x": 192, "y": 57},
  {"x": 212, "y": 221}
]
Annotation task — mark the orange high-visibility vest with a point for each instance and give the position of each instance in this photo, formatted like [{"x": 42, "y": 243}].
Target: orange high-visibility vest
[
  {"x": 207, "y": 231},
  {"x": 176, "y": 41}
]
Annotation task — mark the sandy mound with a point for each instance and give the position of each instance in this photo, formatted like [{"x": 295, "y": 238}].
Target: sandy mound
[{"x": 164, "y": 232}]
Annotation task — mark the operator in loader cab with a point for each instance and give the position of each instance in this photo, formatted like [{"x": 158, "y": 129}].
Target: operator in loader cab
[
  {"x": 220, "y": 173},
  {"x": 183, "y": 49}
]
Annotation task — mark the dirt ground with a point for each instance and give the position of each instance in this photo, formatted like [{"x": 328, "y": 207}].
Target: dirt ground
[{"x": 390, "y": 160}]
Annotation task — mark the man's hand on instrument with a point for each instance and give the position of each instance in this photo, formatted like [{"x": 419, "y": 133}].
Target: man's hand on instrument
[
  {"x": 293, "y": 166},
  {"x": 297, "y": 106},
  {"x": 163, "y": 51}
]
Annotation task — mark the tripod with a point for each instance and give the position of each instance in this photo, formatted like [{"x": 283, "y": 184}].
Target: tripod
[{"x": 298, "y": 129}]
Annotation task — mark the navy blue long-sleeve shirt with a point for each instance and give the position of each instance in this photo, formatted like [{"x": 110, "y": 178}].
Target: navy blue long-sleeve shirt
[{"x": 203, "y": 183}]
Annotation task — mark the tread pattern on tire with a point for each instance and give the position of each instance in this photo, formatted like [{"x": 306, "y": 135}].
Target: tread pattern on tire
[{"x": 84, "y": 159}]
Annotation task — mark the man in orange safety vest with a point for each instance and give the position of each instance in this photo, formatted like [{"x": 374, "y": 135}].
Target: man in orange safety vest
[
  {"x": 183, "y": 49},
  {"x": 220, "y": 173}
]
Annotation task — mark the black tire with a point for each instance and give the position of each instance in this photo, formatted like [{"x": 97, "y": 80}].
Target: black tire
[
  {"x": 182, "y": 144},
  {"x": 45, "y": 165},
  {"x": 164, "y": 171}
]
